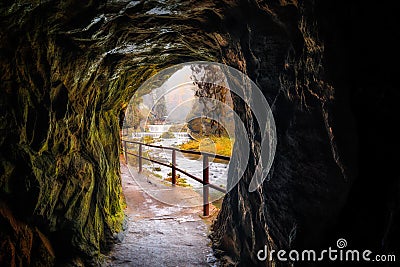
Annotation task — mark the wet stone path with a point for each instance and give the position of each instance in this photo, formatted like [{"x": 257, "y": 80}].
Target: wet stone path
[{"x": 159, "y": 234}]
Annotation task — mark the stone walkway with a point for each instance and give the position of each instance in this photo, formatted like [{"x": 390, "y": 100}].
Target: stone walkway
[{"x": 159, "y": 234}]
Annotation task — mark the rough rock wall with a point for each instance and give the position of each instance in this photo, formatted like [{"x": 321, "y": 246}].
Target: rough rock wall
[
  {"x": 308, "y": 183},
  {"x": 60, "y": 161},
  {"x": 68, "y": 69},
  {"x": 334, "y": 173}
]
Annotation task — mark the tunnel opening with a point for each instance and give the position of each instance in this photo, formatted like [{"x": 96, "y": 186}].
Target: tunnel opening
[
  {"x": 173, "y": 113},
  {"x": 212, "y": 88},
  {"x": 183, "y": 115}
]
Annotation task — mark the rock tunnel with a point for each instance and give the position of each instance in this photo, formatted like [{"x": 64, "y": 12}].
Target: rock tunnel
[{"x": 69, "y": 68}]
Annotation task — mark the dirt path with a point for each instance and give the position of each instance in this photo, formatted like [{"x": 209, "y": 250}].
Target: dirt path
[{"x": 159, "y": 234}]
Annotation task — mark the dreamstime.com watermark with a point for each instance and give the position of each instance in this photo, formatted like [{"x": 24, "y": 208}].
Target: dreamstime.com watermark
[{"x": 330, "y": 254}]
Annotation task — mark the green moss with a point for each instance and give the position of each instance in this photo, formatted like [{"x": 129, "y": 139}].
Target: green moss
[
  {"x": 62, "y": 114},
  {"x": 158, "y": 175},
  {"x": 179, "y": 181}
]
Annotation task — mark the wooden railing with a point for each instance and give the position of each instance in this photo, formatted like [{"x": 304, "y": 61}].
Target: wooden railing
[{"x": 206, "y": 169}]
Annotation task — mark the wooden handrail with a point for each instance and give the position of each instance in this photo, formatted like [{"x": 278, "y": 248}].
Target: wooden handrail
[
  {"x": 182, "y": 150},
  {"x": 204, "y": 181}
]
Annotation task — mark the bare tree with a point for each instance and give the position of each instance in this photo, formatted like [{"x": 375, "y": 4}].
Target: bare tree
[{"x": 208, "y": 79}]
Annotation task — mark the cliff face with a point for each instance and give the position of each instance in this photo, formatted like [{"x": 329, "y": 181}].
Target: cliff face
[{"x": 69, "y": 69}]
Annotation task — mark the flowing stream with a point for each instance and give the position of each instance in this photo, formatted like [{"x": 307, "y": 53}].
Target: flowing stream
[{"x": 193, "y": 164}]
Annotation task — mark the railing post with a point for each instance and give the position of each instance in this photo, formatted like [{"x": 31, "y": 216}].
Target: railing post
[
  {"x": 206, "y": 205},
  {"x": 173, "y": 167},
  {"x": 140, "y": 157},
  {"x": 125, "y": 152}
]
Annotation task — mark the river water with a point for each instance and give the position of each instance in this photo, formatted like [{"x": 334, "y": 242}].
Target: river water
[{"x": 193, "y": 164}]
